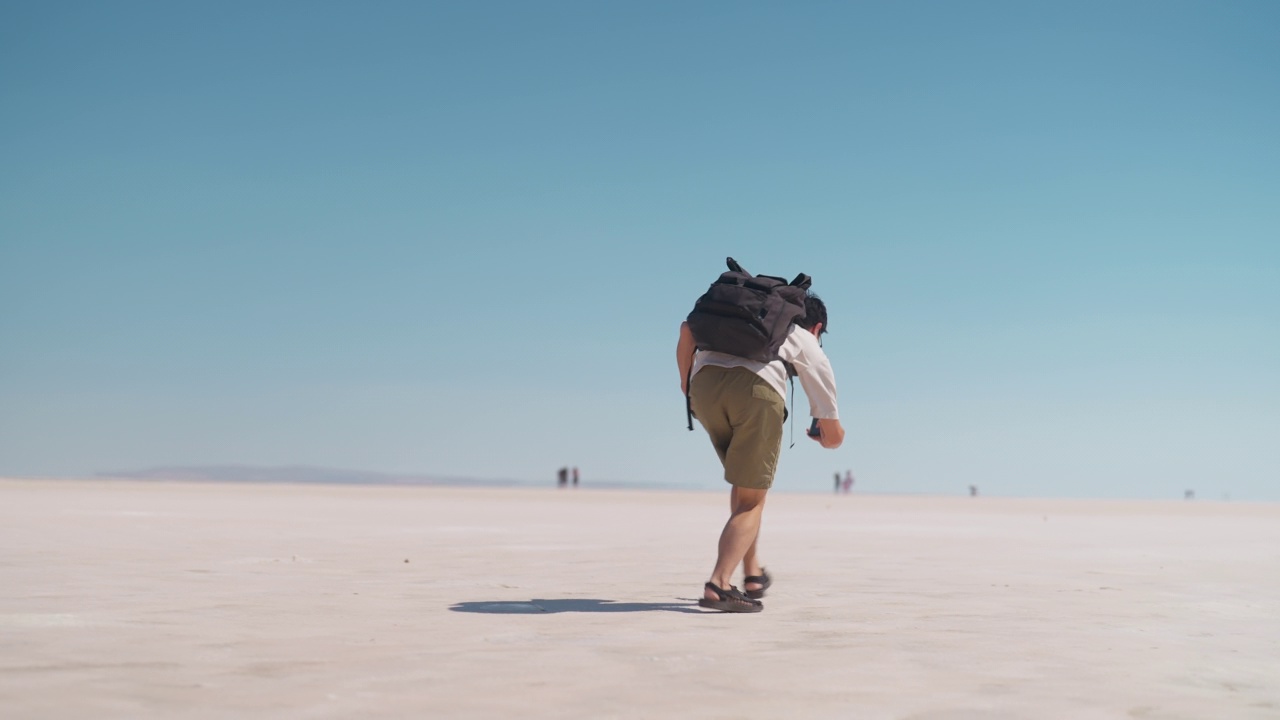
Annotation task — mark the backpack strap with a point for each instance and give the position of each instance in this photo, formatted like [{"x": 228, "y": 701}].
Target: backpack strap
[
  {"x": 791, "y": 377},
  {"x": 688, "y": 402}
]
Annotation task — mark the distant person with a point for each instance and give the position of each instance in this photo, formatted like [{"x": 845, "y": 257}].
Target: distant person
[
  {"x": 575, "y": 476},
  {"x": 739, "y": 402},
  {"x": 562, "y": 477},
  {"x": 1189, "y": 495},
  {"x": 848, "y": 481},
  {"x": 973, "y": 491},
  {"x": 837, "y": 489}
]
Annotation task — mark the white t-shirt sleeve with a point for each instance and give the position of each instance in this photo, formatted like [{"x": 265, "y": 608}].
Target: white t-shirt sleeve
[{"x": 814, "y": 370}]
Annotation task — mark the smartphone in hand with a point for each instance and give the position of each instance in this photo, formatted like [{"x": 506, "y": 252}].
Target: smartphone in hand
[{"x": 814, "y": 430}]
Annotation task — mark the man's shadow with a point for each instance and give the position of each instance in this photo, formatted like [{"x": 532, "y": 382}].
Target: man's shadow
[{"x": 536, "y": 606}]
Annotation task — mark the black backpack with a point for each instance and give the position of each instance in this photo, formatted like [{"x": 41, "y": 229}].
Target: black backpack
[{"x": 747, "y": 315}]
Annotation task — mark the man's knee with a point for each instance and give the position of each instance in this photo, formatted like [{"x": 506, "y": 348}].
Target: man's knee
[{"x": 747, "y": 499}]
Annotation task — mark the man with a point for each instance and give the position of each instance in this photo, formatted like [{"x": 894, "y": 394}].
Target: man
[{"x": 741, "y": 404}]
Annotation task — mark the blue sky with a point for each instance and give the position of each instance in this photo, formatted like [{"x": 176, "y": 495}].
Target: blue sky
[{"x": 458, "y": 238}]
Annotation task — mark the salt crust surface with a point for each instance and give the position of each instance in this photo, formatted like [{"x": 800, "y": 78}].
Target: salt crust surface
[{"x": 136, "y": 599}]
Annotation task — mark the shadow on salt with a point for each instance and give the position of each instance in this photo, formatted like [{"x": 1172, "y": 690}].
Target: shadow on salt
[{"x": 536, "y": 606}]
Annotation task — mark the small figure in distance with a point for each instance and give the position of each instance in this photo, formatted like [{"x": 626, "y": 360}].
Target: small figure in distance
[
  {"x": 562, "y": 477},
  {"x": 837, "y": 482},
  {"x": 848, "y": 481},
  {"x": 575, "y": 476},
  {"x": 973, "y": 491}
]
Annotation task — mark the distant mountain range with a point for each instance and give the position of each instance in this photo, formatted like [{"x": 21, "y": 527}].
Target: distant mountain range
[{"x": 299, "y": 474}]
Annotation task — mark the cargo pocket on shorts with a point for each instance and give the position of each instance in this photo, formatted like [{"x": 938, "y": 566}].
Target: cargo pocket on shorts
[{"x": 761, "y": 391}]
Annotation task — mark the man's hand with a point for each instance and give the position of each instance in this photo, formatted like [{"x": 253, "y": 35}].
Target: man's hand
[{"x": 830, "y": 433}]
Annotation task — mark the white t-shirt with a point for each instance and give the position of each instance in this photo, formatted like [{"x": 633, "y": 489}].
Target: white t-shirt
[{"x": 802, "y": 350}]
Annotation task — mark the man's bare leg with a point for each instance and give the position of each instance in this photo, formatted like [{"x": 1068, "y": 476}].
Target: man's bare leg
[
  {"x": 739, "y": 535},
  {"x": 750, "y": 563}
]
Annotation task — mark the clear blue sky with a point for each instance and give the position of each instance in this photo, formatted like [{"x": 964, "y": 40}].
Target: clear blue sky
[{"x": 459, "y": 238}]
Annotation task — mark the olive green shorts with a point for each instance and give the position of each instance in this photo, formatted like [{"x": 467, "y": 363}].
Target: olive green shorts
[{"x": 743, "y": 415}]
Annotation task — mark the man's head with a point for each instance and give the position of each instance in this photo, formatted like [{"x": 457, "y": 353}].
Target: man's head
[{"x": 815, "y": 315}]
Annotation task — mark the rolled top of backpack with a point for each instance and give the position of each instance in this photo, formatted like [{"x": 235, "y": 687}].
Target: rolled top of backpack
[{"x": 802, "y": 281}]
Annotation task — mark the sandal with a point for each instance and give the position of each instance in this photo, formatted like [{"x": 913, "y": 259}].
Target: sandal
[
  {"x": 731, "y": 600},
  {"x": 763, "y": 580}
]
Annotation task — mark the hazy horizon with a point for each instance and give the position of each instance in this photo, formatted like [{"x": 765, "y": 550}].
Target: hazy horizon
[{"x": 312, "y": 475}]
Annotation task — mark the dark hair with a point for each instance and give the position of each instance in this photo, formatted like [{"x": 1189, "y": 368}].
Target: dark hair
[{"x": 815, "y": 311}]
